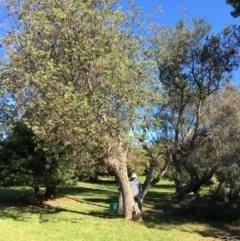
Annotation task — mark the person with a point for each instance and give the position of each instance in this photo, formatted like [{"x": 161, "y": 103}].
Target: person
[{"x": 136, "y": 187}]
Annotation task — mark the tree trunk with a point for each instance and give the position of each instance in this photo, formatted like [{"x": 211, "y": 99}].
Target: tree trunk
[
  {"x": 51, "y": 191},
  {"x": 118, "y": 162},
  {"x": 194, "y": 185},
  {"x": 120, "y": 202},
  {"x": 222, "y": 190},
  {"x": 149, "y": 182},
  {"x": 36, "y": 191},
  {"x": 127, "y": 196}
]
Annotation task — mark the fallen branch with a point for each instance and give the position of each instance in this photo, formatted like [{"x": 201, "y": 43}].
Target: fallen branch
[{"x": 233, "y": 238}]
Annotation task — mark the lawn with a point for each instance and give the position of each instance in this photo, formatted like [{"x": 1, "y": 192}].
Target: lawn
[{"x": 81, "y": 213}]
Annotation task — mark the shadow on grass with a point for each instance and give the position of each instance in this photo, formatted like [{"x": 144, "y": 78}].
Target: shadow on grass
[
  {"x": 15, "y": 202},
  {"x": 93, "y": 196},
  {"x": 160, "y": 201},
  {"x": 12, "y": 193},
  {"x": 86, "y": 191},
  {"x": 167, "y": 186},
  {"x": 92, "y": 201},
  {"x": 46, "y": 212},
  {"x": 98, "y": 195}
]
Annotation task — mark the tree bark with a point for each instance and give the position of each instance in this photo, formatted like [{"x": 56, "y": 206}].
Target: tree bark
[
  {"x": 146, "y": 184},
  {"x": 149, "y": 182},
  {"x": 36, "y": 191},
  {"x": 51, "y": 191},
  {"x": 118, "y": 162},
  {"x": 194, "y": 185},
  {"x": 120, "y": 202}
]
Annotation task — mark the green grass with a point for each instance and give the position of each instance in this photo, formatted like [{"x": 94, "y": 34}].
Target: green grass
[{"x": 82, "y": 214}]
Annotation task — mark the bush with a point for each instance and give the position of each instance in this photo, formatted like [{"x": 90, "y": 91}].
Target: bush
[{"x": 221, "y": 212}]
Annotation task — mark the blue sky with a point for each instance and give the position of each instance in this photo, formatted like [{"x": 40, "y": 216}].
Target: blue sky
[{"x": 217, "y": 13}]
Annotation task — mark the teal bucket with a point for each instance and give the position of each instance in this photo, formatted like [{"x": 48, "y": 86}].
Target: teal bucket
[{"x": 113, "y": 206}]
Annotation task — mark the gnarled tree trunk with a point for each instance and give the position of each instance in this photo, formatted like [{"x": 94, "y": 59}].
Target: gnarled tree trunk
[
  {"x": 194, "y": 184},
  {"x": 118, "y": 162}
]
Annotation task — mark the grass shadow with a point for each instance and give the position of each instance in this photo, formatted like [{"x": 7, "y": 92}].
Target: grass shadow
[
  {"x": 100, "y": 195},
  {"x": 85, "y": 191}
]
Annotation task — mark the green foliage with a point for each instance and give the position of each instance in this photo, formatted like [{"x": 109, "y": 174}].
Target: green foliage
[
  {"x": 224, "y": 125},
  {"x": 220, "y": 205},
  {"x": 215, "y": 210},
  {"x": 22, "y": 163},
  {"x": 25, "y": 163},
  {"x": 78, "y": 71},
  {"x": 79, "y": 77},
  {"x": 193, "y": 64},
  {"x": 236, "y": 5},
  {"x": 137, "y": 160}
]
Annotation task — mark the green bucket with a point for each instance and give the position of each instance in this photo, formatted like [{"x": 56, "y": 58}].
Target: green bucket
[{"x": 113, "y": 206}]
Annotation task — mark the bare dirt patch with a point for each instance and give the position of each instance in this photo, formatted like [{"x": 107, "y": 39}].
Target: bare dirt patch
[
  {"x": 60, "y": 202},
  {"x": 30, "y": 203}
]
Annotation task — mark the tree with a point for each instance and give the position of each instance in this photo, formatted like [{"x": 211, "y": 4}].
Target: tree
[
  {"x": 81, "y": 75},
  {"x": 224, "y": 125},
  {"x": 236, "y": 5},
  {"x": 23, "y": 163},
  {"x": 138, "y": 160},
  {"x": 20, "y": 164},
  {"x": 193, "y": 65}
]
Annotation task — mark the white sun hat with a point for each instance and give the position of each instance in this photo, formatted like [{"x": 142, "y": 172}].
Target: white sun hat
[{"x": 134, "y": 175}]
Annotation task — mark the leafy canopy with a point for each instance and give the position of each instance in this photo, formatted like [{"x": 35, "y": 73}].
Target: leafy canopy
[{"x": 77, "y": 70}]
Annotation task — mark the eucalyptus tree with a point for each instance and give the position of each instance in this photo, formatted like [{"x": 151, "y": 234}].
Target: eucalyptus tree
[
  {"x": 78, "y": 71},
  {"x": 193, "y": 64}
]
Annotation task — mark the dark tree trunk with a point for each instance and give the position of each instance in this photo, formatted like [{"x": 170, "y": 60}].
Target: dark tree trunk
[
  {"x": 36, "y": 192},
  {"x": 51, "y": 191},
  {"x": 194, "y": 185}
]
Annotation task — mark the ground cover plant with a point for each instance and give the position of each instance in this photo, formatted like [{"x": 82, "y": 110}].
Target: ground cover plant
[{"x": 81, "y": 213}]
